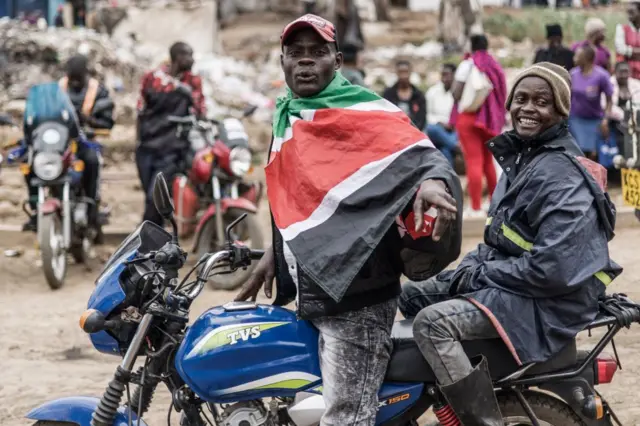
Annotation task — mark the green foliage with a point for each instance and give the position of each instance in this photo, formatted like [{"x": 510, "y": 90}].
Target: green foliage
[{"x": 530, "y": 22}]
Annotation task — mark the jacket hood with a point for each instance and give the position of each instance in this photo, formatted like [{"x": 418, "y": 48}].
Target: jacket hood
[{"x": 558, "y": 138}]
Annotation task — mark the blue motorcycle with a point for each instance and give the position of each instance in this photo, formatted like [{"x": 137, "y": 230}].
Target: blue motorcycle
[
  {"x": 247, "y": 364},
  {"x": 47, "y": 158}
]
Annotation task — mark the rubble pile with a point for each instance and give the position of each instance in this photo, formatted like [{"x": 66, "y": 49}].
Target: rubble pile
[{"x": 31, "y": 55}]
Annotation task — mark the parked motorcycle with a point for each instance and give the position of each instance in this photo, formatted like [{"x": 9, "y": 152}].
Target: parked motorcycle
[
  {"x": 248, "y": 364},
  {"x": 211, "y": 193},
  {"x": 61, "y": 209}
]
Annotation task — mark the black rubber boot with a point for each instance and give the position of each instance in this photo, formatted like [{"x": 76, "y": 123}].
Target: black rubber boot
[{"x": 473, "y": 399}]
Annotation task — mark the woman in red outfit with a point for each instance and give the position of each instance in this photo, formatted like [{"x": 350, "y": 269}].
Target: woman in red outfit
[{"x": 476, "y": 128}]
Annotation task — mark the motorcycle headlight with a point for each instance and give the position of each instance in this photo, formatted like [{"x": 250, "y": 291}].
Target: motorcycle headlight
[
  {"x": 240, "y": 161},
  {"x": 47, "y": 165}
]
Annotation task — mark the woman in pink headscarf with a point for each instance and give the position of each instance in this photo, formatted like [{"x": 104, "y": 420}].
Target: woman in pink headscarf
[{"x": 476, "y": 128}]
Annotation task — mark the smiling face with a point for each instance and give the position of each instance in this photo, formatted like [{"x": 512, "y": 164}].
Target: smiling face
[
  {"x": 533, "y": 109},
  {"x": 309, "y": 62}
]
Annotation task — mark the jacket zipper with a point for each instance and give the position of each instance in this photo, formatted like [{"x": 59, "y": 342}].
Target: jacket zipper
[{"x": 518, "y": 158}]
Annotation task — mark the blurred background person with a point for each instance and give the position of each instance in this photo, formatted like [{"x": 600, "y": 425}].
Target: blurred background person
[
  {"x": 350, "y": 69},
  {"x": 625, "y": 88},
  {"x": 594, "y": 30},
  {"x": 627, "y": 40},
  {"x": 588, "y": 121},
  {"x": 476, "y": 128},
  {"x": 406, "y": 96},
  {"x": 439, "y": 105},
  {"x": 171, "y": 90},
  {"x": 555, "y": 52}
]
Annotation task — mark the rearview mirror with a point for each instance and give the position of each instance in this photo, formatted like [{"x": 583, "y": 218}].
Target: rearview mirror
[{"x": 162, "y": 197}]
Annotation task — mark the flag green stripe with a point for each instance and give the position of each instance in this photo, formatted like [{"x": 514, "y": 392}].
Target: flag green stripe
[{"x": 338, "y": 94}]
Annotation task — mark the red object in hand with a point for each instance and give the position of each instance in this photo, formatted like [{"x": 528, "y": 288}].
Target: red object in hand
[{"x": 407, "y": 225}]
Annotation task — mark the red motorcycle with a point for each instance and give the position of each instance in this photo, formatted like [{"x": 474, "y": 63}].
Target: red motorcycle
[{"x": 211, "y": 193}]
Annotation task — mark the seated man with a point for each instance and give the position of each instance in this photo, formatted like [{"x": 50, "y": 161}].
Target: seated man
[
  {"x": 83, "y": 93},
  {"x": 536, "y": 280}
]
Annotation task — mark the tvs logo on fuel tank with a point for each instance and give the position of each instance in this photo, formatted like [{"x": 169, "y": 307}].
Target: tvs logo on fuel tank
[{"x": 231, "y": 335}]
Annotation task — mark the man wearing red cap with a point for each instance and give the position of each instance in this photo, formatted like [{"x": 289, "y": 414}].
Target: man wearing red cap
[{"x": 345, "y": 166}]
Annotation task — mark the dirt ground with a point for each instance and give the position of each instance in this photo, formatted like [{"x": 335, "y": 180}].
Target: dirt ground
[{"x": 44, "y": 354}]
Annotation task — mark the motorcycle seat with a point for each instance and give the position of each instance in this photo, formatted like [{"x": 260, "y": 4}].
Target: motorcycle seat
[{"x": 407, "y": 363}]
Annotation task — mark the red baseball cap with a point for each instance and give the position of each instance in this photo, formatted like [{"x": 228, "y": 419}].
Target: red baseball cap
[{"x": 324, "y": 28}]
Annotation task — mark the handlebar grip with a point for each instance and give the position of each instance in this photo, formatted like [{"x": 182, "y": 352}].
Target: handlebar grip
[{"x": 256, "y": 254}]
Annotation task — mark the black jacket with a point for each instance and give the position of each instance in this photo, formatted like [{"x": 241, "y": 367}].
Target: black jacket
[
  {"x": 561, "y": 56},
  {"x": 417, "y": 104},
  {"x": 545, "y": 261},
  {"x": 103, "y": 119}
]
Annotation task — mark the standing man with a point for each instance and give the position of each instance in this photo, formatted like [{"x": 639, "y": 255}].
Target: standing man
[
  {"x": 171, "y": 90},
  {"x": 406, "y": 96},
  {"x": 439, "y": 106},
  {"x": 627, "y": 40},
  {"x": 335, "y": 243},
  {"x": 555, "y": 52}
]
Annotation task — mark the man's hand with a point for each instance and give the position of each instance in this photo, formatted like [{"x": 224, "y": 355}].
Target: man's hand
[
  {"x": 434, "y": 193},
  {"x": 263, "y": 274}
]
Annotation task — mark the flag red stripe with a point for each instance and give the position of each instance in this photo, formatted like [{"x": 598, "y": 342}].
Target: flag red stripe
[{"x": 327, "y": 150}]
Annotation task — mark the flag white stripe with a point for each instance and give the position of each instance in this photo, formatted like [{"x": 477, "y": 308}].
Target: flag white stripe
[
  {"x": 382, "y": 105},
  {"x": 344, "y": 189},
  {"x": 378, "y": 105}
]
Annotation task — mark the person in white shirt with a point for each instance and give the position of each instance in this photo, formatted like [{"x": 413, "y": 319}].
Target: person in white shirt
[{"x": 439, "y": 106}]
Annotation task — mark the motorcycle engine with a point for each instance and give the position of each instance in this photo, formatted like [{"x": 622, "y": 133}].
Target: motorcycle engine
[{"x": 249, "y": 413}]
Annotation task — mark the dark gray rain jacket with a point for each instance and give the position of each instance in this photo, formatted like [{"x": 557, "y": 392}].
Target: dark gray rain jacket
[{"x": 545, "y": 261}]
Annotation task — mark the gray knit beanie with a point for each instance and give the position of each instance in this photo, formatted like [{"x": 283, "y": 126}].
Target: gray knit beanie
[{"x": 557, "y": 77}]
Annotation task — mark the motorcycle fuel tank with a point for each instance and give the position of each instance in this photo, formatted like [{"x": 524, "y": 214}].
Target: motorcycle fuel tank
[{"x": 243, "y": 351}]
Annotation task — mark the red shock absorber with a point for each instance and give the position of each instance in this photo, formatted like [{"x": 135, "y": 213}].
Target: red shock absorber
[{"x": 446, "y": 416}]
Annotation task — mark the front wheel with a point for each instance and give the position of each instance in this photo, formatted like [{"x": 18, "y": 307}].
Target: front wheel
[
  {"x": 247, "y": 232},
  {"x": 54, "y": 256},
  {"x": 549, "y": 410}
]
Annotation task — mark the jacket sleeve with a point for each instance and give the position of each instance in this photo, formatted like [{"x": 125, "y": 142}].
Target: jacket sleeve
[
  {"x": 570, "y": 244},
  {"x": 199, "y": 103},
  {"x": 423, "y": 258},
  {"x": 103, "y": 119}
]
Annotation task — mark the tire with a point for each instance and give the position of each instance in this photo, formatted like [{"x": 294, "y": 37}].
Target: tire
[
  {"x": 48, "y": 423},
  {"x": 549, "y": 410},
  {"x": 54, "y": 259},
  {"x": 248, "y": 229}
]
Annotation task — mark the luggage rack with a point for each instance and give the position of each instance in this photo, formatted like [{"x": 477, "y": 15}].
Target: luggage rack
[{"x": 616, "y": 311}]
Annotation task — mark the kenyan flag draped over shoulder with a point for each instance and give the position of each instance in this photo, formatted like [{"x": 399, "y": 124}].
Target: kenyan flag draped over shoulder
[{"x": 343, "y": 165}]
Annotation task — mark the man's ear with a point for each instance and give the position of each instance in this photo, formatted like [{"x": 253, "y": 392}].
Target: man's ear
[
  {"x": 339, "y": 60},
  {"x": 282, "y": 61}
]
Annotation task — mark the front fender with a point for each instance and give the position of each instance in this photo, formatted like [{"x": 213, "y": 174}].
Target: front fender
[
  {"x": 226, "y": 204},
  {"x": 51, "y": 205},
  {"x": 78, "y": 410}
]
